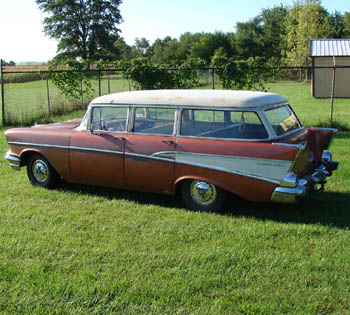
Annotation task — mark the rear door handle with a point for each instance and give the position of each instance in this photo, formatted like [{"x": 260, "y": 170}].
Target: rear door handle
[{"x": 170, "y": 142}]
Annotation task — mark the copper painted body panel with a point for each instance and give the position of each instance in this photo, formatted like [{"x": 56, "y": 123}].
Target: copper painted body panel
[{"x": 103, "y": 149}]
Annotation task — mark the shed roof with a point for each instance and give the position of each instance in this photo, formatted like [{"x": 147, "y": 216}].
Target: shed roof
[
  {"x": 214, "y": 98},
  {"x": 330, "y": 47}
]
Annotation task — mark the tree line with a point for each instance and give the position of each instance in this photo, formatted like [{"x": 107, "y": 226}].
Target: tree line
[
  {"x": 87, "y": 29},
  {"x": 88, "y": 34}
]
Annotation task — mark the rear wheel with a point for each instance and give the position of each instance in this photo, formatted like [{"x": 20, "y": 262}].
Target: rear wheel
[
  {"x": 199, "y": 195},
  {"x": 41, "y": 173}
]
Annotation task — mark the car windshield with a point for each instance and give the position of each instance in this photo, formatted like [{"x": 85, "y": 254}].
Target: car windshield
[{"x": 282, "y": 119}]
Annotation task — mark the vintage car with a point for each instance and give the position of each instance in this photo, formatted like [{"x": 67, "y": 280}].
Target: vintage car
[{"x": 201, "y": 144}]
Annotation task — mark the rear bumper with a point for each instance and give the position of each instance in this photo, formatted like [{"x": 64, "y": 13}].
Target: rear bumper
[
  {"x": 293, "y": 187},
  {"x": 14, "y": 161}
]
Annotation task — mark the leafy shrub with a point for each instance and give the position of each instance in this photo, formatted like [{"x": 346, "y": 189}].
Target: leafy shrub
[
  {"x": 148, "y": 76},
  {"x": 73, "y": 79},
  {"x": 241, "y": 75}
]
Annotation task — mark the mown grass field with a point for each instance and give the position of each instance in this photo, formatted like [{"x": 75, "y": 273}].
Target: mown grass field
[
  {"x": 27, "y": 102},
  {"x": 88, "y": 250}
]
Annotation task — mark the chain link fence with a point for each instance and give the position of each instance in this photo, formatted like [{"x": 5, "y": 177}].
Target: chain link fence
[{"x": 31, "y": 96}]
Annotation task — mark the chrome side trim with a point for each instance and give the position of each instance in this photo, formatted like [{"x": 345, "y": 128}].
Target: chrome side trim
[
  {"x": 39, "y": 145},
  {"x": 155, "y": 156},
  {"x": 299, "y": 146},
  {"x": 218, "y": 155},
  {"x": 95, "y": 150}
]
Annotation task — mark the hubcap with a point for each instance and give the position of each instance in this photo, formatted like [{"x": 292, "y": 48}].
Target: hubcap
[
  {"x": 202, "y": 192},
  {"x": 40, "y": 171}
]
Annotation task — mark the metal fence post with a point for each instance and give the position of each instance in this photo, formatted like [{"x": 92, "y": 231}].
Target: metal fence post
[
  {"x": 99, "y": 82},
  {"x": 333, "y": 87},
  {"x": 213, "y": 79},
  {"x": 2, "y": 93},
  {"x": 48, "y": 93},
  {"x": 109, "y": 83}
]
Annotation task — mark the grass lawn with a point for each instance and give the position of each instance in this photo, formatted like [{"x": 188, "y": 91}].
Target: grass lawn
[
  {"x": 28, "y": 102},
  {"x": 87, "y": 250}
]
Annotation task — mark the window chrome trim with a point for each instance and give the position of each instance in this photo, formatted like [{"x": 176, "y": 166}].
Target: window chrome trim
[{"x": 226, "y": 139}]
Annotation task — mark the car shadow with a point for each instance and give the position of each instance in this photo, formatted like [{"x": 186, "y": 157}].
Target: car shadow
[
  {"x": 113, "y": 193},
  {"x": 326, "y": 208}
]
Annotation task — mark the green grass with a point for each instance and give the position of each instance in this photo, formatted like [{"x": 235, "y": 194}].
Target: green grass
[{"x": 88, "y": 250}]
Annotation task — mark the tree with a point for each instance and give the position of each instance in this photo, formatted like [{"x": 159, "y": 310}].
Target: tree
[
  {"x": 248, "y": 38},
  {"x": 142, "y": 46},
  {"x": 207, "y": 45},
  {"x": 346, "y": 25},
  {"x": 306, "y": 20},
  {"x": 84, "y": 28},
  {"x": 124, "y": 50},
  {"x": 273, "y": 29},
  {"x": 167, "y": 50}
]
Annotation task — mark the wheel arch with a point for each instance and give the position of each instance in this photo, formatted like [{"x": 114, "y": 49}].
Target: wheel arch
[
  {"x": 27, "y": 154},
  {"x": 182, "y": 179}
]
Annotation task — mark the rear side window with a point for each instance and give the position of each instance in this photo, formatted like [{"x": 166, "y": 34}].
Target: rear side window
[
  {"x": 154, "y": 120},
  {"x": 222, "y": 124}
]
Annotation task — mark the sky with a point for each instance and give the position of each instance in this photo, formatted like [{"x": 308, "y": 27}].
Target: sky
[{"x": 22, "y": 38}]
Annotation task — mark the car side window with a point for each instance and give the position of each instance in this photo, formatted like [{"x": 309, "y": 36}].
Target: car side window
[
  {"x": 111, "y": 119},
  {"x": 154, "y": 120},
  {"x": 222, "y": 124}
]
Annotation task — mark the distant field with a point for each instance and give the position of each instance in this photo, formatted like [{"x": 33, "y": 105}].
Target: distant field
[{"x": 28, "y": 101}]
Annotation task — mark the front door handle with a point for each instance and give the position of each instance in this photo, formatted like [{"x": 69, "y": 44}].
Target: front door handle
[
  {"x": 119, "y": 138},
  {"x": 170, "y": 142}
]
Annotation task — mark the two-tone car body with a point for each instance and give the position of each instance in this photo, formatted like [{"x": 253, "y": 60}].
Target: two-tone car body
[{"x": 199, "y": 143}]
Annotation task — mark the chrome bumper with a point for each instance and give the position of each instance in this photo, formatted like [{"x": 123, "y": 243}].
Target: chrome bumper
[
  {"x": 14, "y": 161},
  {"x": 293, "y": 187}
]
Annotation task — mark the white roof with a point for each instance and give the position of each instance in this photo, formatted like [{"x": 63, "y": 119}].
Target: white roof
[
  {"x": 210, "y": 98},
  {"x": 330, "y": 47}
]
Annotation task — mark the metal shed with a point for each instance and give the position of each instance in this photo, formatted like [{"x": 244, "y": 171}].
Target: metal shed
[{"x": 334, "y": 54}]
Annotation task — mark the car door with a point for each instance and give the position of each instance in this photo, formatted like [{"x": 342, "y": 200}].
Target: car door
[
  {"x": 97, "y": 156},
  {"x": 149, "y": 150}
]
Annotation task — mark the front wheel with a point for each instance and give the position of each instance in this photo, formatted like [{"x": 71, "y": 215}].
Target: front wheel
[
  {"x": 41, "y": 173},
  {"x": 199, "y": 195}
]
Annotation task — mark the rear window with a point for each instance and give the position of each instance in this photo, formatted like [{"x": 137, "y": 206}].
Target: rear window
[
  {"x": 222, "y": 124},
  {"x": 282, "y": 120}
]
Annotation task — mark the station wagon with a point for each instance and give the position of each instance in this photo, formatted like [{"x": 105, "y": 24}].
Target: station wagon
[{"x": 200, "y": 144}]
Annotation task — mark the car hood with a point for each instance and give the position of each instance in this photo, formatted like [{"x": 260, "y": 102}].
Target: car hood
[{"x": 70, "y": 124}]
